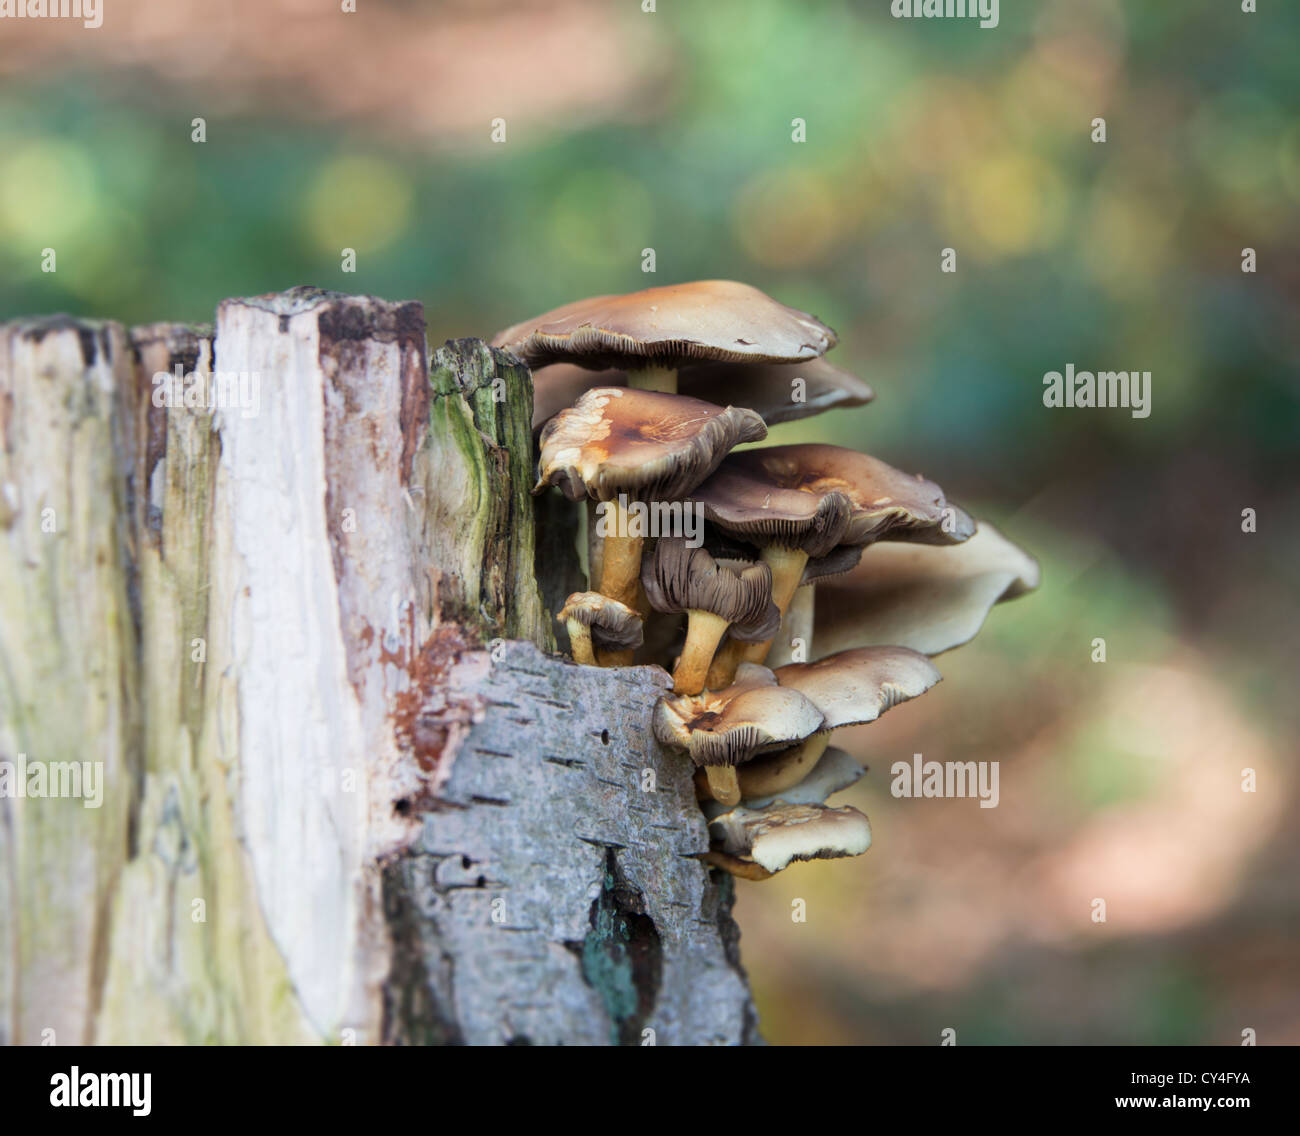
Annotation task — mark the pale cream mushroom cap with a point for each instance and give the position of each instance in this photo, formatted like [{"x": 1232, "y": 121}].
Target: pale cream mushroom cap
[
  {"x": 858, "y": 685},
  {"x": 775, "y": 836},
  {"x": 928, "y": 598}
]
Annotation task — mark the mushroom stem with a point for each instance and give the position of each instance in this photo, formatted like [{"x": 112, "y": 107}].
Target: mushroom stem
[
  {"x": 653, "y": 379},
  {"x": 776, "y": 772},
  {"x": 745, "y": 869},
  {"x": 620, "y": 570},
  {"x": 704, "y": 631},
  {"x": 580, "y": 645},
  {"x": 723, "y": 783},
  {"x": 787, "y": 566}
]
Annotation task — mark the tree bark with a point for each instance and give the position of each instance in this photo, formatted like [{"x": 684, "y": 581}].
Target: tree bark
[{"x": 350, "y": 794}]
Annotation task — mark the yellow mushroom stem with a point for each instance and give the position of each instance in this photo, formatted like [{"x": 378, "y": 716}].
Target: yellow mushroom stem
[
  {"x": 580, "y": 642},
  {"x": 745, "y": 869},
  {"x": 775, "y": 772},
  {"x": 787, "y": 566},
  {"x": 620, "y": 570},
  {"x": 724, "y": 786},
  {"x": 704, "y": 631},
  {"x": 653, "y": 379}
]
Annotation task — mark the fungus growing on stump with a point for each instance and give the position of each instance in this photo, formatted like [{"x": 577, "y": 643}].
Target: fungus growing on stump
[
  {"x": 597, "y": 621},
  {"x": 617, "y": 446},
  {"x": 651, "y": 333},
  {"x": 713, "y": 594},
  {"x": 849, "y": 689},
  {"x": 799, "y": 503},
  {"x": 724, "y": 729},
  {"x": 774, "y": 836}
]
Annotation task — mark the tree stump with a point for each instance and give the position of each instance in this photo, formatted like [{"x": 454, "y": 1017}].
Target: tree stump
[{"x": 292, "y": 606}]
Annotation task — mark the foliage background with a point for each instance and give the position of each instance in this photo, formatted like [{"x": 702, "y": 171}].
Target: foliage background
[{"x": 672, "y": 130}]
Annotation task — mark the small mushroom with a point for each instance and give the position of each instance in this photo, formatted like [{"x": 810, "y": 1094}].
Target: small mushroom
[
  {"x": 616, "y": 445},
  {"x": 774, "y": 836},
  {"x": 767, "y": 388},
  {"x": 801, "y": 502},
  {"x": 722, "y": 729},
  {"x": 653, "y": 332},
  {"x": 713, "y": 594},
  {"x": 857, "y": 686},
  {"x": 835, "y": 771},
  {"x": 928, "y": 598},
  {"x": 594, "y": 620}
]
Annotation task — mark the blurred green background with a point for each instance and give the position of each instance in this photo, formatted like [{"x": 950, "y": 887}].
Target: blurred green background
[{"x": 672, "y": 130}]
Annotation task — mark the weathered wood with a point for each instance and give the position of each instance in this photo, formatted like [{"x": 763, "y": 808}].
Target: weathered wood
[
  {"x": 69, "y": 676},
  {"x": 327, "y": 708}
]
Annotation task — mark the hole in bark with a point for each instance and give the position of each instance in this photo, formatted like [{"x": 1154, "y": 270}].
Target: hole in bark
[
  {"x": 482, "y": 882},
  {"x": 622, "y": 957},
  {"x": 402, "y": 807},
  {"x": 520, "y": 1039},
  {"x": 466, "y": 863},
  {"x": 604, "y": 737}
]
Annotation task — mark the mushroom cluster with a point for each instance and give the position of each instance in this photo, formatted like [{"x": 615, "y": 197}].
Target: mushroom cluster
[{"x": 703, "y": 558}]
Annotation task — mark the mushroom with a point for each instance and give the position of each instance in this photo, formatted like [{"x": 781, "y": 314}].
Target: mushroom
[
  {"x": 849, "y": 689},
  {"x": 594, "y": 620},
  {"x": 774, "y": 836},
  {"x": 722, "y": 729},
  {"x": 801, "y": 502},
  {"x": 930, "y": 599},
  {"x": 767, "y": 388},
  {"x": 836, "y": 770},
  {"x": 615, "y": 445},
  {"x": 653, "y": 332},
  {"x": 713, "y": 594}
]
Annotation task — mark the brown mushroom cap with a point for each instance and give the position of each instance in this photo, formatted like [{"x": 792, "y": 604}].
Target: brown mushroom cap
[
  {"x": 929, "y": 599},
  {"x": 614, "y": 626},
  {"x": 884, "y": 502},
  {"x": 835, "y": 770},
  {"x": 649, "y": 445},
  {"x": 727, "y": 727},
  {"x": 750, "y": 507},
  {"x": 709, "y": 320},
  {"x": 775, "y": 836},
  {"x": 859, "y": 685},
  {"x": 766, "y": 388}
]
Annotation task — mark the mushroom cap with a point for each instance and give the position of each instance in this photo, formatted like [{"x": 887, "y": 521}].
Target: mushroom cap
[
  {"x": 778, "y": 834},
  {"x": 766, "y": 388},
  {"x": 784, "y": 482},
  {"x": 614, "y": 625},
  {"x": 750, "y": 507},
  {"x": 728, "y": 727},
  {"x": 859, "y": 685},
  {"x": 841, "y": 559},
  {"x": 929, "y": 599},
  {"x": 709, "y": 320},
  {"x": 647, "y": 444},
  {"x": 679, "y": 578},
  {"x": 834, "y": 771}
]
